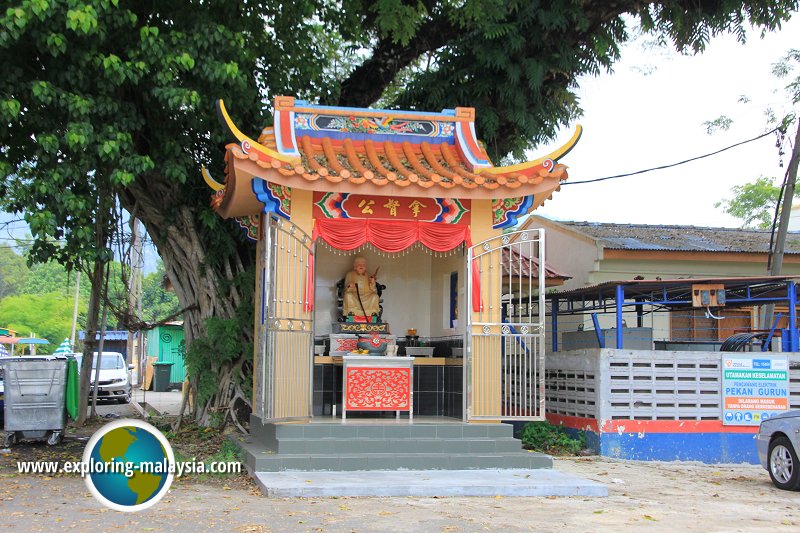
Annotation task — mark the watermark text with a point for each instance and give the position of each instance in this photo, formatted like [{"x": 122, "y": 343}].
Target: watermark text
[{"x": 128, "y": 468}]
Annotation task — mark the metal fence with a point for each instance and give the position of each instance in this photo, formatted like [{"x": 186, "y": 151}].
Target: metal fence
[
  {"x": 505, "y": 341},
  {"x": 286, "y": 329},
  {"x": 609, "y": 384}
]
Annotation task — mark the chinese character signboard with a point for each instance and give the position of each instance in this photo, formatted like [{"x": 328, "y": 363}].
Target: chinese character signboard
[
  {"x": 754, "y": 388},
  {"x": 345, "y": 205}
]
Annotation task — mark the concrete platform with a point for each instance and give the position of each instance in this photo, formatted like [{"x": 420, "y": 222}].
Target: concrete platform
[
  {"x": 166, "y": 403},
  {"x": 426, "y": 483}
]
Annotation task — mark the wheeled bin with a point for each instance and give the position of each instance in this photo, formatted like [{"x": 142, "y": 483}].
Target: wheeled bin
[
  {"x": 35, "y": 406},
  {"x": 162, "y": 376}
]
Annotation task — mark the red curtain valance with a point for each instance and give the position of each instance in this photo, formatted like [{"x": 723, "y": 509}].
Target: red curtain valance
[{"x": 390, "y": 235}]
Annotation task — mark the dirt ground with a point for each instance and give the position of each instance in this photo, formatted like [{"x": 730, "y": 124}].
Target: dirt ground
[{"x": 642, "y": 497}]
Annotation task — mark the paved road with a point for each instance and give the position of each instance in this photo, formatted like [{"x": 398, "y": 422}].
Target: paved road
[{"x": 110, "y": 410}]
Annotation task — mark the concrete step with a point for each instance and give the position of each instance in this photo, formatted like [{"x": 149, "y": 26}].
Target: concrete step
[
  {"x": 259, "y": 458},
  {"x": 401, "y": 461},
  {"x": 329, "y": 445},
  {"x": 427, "y": 483},
  {"x": 389, "y": 430}
]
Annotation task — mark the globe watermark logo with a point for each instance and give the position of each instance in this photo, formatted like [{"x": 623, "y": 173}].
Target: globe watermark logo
[{"x": 129, "y": 465}]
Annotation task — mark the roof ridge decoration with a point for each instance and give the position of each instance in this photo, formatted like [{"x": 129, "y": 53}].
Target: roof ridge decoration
[{"x": 375, "y": 152}]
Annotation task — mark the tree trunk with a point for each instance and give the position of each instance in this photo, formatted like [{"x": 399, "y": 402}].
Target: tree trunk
[
  {"x": 203, "y": 282},
  {"x": 93, "y": 315},
  {"x": 783, "y": 225}
]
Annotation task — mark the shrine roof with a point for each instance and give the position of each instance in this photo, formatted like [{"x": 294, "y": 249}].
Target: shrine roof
[{"x": 366, "y": 151}]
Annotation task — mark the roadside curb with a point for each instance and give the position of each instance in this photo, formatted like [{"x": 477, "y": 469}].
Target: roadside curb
[
  {"x": 146, "y": 411},
  {"x": 139, "y": 409}
]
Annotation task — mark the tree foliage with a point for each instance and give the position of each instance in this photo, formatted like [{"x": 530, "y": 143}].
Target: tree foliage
[
  {"x": 753, "y": 203},
  {"x": 517, "y": 61},
  {"x": 115, "y": 98},
  {"x": 49, "y": 277},
  {"x": 157, "y": 303},
  {"x": 13, "y": 272},
  {"x": 48, "y": 316}
]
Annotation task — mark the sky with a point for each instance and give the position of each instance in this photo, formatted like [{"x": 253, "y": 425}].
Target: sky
[{"x": 650, "y": 112}]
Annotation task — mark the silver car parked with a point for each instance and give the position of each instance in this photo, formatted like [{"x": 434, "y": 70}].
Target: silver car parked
[
  {"x": 778, "y": 441},
  {"x": 115, "y": 377}
]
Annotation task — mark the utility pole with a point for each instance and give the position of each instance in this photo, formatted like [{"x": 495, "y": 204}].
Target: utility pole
[
  {"x": 783, "y": 224},
  {"x": 75, "y": 311},
  {"x": 135, "y": 289}
]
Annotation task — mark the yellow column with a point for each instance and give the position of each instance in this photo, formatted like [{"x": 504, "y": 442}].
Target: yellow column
[
  {"x": 302, "y": 204},
  {"x": 486, "y": 364}
]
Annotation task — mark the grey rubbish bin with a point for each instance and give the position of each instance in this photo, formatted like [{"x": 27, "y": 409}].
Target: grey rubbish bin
[
  {"x": 161, "y": 375},
  {"x": 35, "y": 398}
]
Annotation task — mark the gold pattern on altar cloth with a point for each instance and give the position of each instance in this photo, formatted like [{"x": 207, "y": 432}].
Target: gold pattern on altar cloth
[{"x": 378, "y": 389}]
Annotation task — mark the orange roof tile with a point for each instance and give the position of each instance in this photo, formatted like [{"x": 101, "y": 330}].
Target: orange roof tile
[{"x": 381, "y": 153}]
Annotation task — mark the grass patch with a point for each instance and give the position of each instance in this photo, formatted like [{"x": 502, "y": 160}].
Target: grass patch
[{"x": 547, "y": 438}]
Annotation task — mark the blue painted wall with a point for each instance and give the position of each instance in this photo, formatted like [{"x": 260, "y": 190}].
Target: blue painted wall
[{"x": 704, "y": 447}]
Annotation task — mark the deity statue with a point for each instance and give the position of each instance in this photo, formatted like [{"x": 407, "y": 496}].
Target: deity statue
[{"x": 360, "y": 291}]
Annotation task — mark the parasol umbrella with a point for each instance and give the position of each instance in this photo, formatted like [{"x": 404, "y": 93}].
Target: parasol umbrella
[
  {"x": 7, "y": 339},
  {"x": 64, "y": 348},
  {"x": 32, "y": 341}
]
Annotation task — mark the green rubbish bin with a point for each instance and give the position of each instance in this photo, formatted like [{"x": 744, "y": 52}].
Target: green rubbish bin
[{"x": 161, "y": 372}]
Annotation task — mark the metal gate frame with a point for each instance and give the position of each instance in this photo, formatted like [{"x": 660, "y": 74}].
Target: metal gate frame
[
  {"x": 285, "y": 322},
  {"x": 509, "y": 385}
]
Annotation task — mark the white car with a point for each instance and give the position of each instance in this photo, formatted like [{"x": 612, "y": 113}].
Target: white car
[
  {"x": 115, "y": 377},
  {"x": 778, "y": 441}
]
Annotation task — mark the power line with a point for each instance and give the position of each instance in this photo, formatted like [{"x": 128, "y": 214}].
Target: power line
[{"x": 662, "y": 167}]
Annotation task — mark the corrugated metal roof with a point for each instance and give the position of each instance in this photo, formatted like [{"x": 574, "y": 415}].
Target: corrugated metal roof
[
  {"x": 681, "y": 238},
  {"x": 110, "y": 335},
  {"x": 607, "y": 289}
]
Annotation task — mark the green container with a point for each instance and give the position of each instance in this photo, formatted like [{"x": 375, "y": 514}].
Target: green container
[
  {"x": 161, "y": 376},
  {"x": 73, "y": 394}
]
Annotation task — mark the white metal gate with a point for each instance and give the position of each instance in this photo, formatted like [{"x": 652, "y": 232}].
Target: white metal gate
[
  {"x": 285, "y": 341},
  {"x": 505, "y": 340}
]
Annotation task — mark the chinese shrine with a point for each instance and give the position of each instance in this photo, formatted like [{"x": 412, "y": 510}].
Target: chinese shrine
[{"x": 383, "y": 263}]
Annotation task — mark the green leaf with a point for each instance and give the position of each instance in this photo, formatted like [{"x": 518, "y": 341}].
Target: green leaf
[{"x": 9, "y": 109}]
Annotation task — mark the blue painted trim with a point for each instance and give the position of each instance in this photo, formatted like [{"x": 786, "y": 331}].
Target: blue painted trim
[
  {"x": 512, "y": 216},
  {"x": 338, "y": 204},
  {"x": 792, "y": 296},
  {"x": 704, "y": 447},
  {"x": 265, "y": 196},
  {"x": 515, "y": 332},
  {"x": 601, "y": 341},
  {"x": 554, "y": 315},
  {"x": 574, "y": 308},
  {"x": 592, "y": 439},
  {"x": 766, "y": 344},
  {"x": 445, "y": 113},
  {"x": 377, "y": 137},
  {"x": 619, "y": 300},
  {"x": 263, "y": 296}
]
